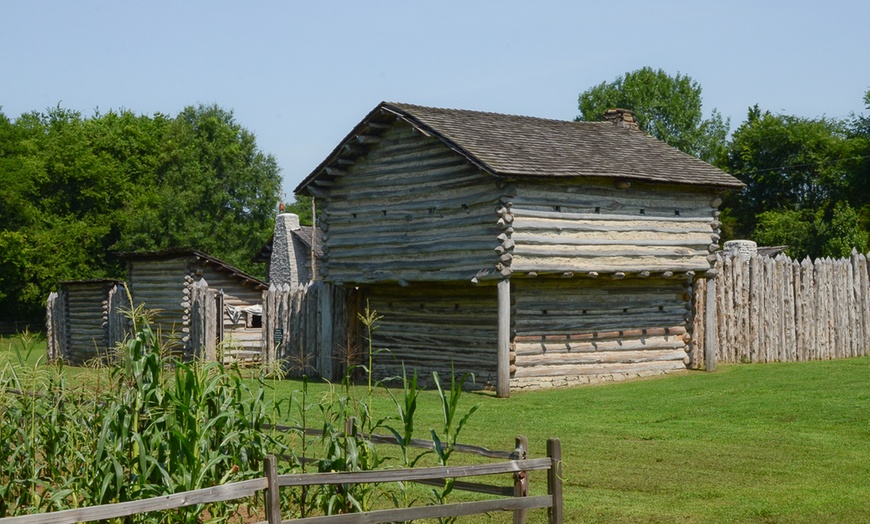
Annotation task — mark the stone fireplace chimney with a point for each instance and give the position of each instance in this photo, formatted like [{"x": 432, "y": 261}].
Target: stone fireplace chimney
[
  {"x": 622, "y": 118},
  {"x": 287, "y": 264}
]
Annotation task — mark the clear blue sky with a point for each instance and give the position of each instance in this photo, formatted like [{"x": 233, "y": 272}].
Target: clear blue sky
[{"x": 300, "y": 75}]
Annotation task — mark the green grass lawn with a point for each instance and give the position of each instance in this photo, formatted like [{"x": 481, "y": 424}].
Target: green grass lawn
[
  {"x": 773, "y": 443},
  {"x": 749, "y": 443}
]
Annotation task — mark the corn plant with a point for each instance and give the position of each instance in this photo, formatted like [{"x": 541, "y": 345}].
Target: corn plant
[
  {"x": 445, "y": 443},
  {"x": 159, "y": 425},
  {"x": 163, "y": 426},
  {"x": 406, "y": 407}
]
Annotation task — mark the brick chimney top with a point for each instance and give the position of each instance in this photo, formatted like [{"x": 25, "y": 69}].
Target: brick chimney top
[{"x": 622, "y": 118}]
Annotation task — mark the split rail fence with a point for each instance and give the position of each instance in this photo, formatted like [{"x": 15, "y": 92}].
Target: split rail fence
[
  {"x": 781, "y": 310},
  {"x": 515, "y": 499}
]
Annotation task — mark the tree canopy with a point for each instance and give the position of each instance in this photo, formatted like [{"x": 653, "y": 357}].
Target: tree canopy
[
  {"x": 74, "y": 189},
  {"x": 804, "y": 184},
  {"x": 667, "y": 107}
]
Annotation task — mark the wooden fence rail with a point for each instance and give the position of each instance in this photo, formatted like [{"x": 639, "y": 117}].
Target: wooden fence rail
[
  {"x": 520, "y": 452},
  {"x": 222, "y": 493},
  {"x": 511, "y": 499},
  {"x": 782, "y": 310}
]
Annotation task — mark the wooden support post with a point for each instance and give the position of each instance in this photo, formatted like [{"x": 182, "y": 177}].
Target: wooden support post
[
  {"x": 710, "y": 327},
  {"x": 503, "y": 386},
  {"x": 521, "y": 478},
  {"x": 326, "y": 344},
  {"x": 273, "y": 498},
  {"x": 554, "y": 481}
]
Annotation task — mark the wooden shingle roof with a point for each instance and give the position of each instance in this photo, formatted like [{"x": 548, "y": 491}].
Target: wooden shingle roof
[
  {"x": 202, "y": 258},
  {"x": 521, "y": 146}
]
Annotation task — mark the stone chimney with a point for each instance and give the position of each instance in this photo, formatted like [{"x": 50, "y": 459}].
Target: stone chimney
[
  {"x": 622, "y": 118},
  {"x": 743, "y": 248},
  {"x": 287, "y": 265}
]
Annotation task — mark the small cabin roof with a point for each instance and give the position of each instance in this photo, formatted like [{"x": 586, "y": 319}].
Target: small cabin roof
[
  {"x": 521, "y": 146},
  {"x": 770, "y": 251},
  {"x": 90, "y": 281},
  {"x": 201, "y": 257}
]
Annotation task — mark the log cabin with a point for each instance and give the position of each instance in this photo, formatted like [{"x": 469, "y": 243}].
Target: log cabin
[
  {"x": 163, "y": 280},
  {"x": 529, "y": 252},
  {"x": 85, "y": 320}
]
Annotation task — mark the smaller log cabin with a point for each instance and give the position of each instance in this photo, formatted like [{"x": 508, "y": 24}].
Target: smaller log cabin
[
  {"x": 85, "y": 320},
  {"x": 162, "y": 280},
  {"x": 529, "y": 252}
]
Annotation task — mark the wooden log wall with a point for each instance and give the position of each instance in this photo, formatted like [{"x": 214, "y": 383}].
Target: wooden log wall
[
  {"x": 562, "y": 226},
  {"x": 163, "y": 286},
  {"x": 573, "y": 331},
  {"x": 448, "y": 328},
  {"x": 309, "y": 330},
  {"x": 782, "y": 310},
  {"x": 410, "y": 210}
]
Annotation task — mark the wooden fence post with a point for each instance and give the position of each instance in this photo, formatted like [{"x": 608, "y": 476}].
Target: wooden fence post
[
  {"x": 273, "y": 498},
  {"x": 554, "y": 481},
  {"x": 350, "y": 427},
  {"x": 521, "y": 478}
]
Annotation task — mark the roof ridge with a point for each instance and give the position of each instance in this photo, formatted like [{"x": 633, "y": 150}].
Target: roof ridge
[{"x": 495, "y": 114}]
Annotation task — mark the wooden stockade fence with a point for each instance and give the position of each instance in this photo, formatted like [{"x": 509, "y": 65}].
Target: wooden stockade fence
[
  {"x": 782, "y": 310},
  {"x": 515, "y": 499},
  {"x": 309, "y": 329},
  {"x": 206, "y": 319}
]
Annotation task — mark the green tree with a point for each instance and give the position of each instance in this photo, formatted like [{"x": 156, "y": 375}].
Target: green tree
[
  {"x": 806, "y": 183},
  {"x": 796, "y": 229},
  {"x": 787, "y": 163},
  {"x": 828, "y": 232},
  {"x": 213, "y": 189},
  {"x": 18, "y": 191},
  {"x": 858, "y": 164},
  {"x": 74, "y": 189},
  {"x": 668, "y": 108},
  {"x": 841, "y": 231}
]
